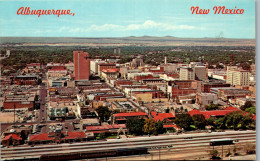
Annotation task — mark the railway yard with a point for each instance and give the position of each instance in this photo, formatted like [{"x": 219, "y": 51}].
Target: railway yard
[{"x": 183, "y": 146}]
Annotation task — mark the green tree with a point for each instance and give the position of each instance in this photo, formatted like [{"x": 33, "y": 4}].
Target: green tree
[
  {"x": 233, "y": 120},
  {"x": 221, "y": 123},
  {"x": 247, "y": 104},
  {"x": 103, "y": 113},
  {"x": 251, "y": 110},
  {"x": 184, "y": 121},
  {"x": 237, "y": 120},
  {"x": 159, "y": 127},
  {"x": 211, "y": 121},
  {"x": 135, "y": 126},
  {"x": 199, "y": 121},
  {"x": 247, "y": 122},
  {"x": 150, "y": 126}
]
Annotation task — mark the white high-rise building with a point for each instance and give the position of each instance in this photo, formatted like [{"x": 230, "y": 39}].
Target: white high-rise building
[
  {"x": 187, "y": 73},
  {"x": 237, "y": 77}
]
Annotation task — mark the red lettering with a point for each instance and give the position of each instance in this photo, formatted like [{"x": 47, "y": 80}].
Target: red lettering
[
  {"x": 63, "y": 12},
  {"x": 193, "y": 9},
  {"x": 223, "y": 10},
  {"x": 27, "y": 11},
  {"x": 39, "y": 12},
  {"x": 199, "y": 11},
  {"x": 20, "y": 10},
  {"x": 58, "y": 13}
]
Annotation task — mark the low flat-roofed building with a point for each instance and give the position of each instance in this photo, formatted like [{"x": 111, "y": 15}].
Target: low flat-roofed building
[
  {"x": 205, "y": 86},
  {"x": 106, "y": 128},
  {"x": 121, "y": 118},
  {"x": 139, "y": 78},
  {"x": 26, "y": 80},
  {"x": 56, "y": 73},
  {"x": 149, "y": 96},
  {"x": 102, "y": 66},
  {"x": 183, "y": 87},
  {"x": 18, "y": 102},
  {"x": 206, "y": 98},
  {"x": 89, "y": 122},
  {"x": 123, "y": 82},
  {"x": 125, "y": 106},
  {"x": 226, "y": 93},
  {"x": 110, "y": 73},
  {"x": 61, "y": 113},
  {"x": 65, "y": 91}
]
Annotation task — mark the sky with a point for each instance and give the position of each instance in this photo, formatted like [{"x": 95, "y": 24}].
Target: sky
[{"x": 122, "y": 18}]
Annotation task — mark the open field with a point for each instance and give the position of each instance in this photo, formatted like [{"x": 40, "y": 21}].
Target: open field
[{"x": 125, "y": 41}]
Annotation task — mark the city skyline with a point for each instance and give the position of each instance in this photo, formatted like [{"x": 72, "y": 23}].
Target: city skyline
[{"x": 122, "y": 19}]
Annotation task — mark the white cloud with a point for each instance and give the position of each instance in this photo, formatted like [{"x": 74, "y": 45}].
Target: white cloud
[{"x": 149, "y": 24}]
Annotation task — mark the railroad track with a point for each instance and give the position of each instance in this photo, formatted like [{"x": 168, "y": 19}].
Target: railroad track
[
  {"x": 177, "y": 141},
  {"x": 182, "y": 153}
]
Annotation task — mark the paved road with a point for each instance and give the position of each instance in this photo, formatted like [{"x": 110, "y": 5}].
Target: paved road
[{"x": 42, "y": 114}]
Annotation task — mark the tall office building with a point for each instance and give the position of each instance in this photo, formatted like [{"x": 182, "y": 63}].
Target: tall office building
[
  {"x": 237, "y": 77},
  {"x": 187, "y": 73},
  {"x": 201, "y": 73},
  {"x": 81, "y": 65}
]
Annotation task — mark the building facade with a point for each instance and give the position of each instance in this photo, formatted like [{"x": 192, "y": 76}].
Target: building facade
[
  {"x": 81, "y": 65},
  {"x": 237, "y": 77},
  {"x": 187, "y": 74},
  {"x": 201, "y": 73}
]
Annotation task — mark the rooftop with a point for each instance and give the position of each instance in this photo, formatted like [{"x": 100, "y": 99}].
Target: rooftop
[{"x": 129, "y": 114}]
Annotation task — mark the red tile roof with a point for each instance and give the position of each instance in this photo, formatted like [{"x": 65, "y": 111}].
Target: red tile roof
[
  {"x": 40, "y": 137},
  {"x": 171, "y": 126},
  {"x": 129, "y": 114},
  {"x": 232, "y": 108},
  {"x": 118, "y": 126},
  {"x": 208, "y": 114},
  {"x": 12, "y": 136},
  {"x": 161, "y": 116},
  {"x": 74, "y": 135},
  {"x": 104, "y": 127},
  {"x": 45, "y": 137},
  {"x": 96, "y": 128}
]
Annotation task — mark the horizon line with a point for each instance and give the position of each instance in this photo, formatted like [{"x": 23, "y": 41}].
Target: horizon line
[{"x": 124, "y": 37}]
